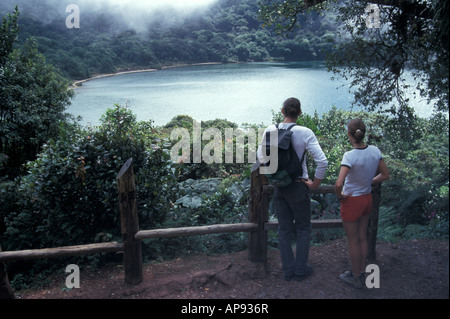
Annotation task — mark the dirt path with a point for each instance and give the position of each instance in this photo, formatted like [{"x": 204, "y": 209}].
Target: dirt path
[{"x": 417, "y": 269}]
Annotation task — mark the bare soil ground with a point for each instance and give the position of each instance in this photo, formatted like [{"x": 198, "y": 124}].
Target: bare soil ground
[{"x": 417, "y": 269}]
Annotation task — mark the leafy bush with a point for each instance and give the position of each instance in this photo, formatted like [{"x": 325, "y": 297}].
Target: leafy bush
[
  {"x": 180, "y": 121},
  {"x": 220, "y": 208},
  {"x": 69, "y": 195},
  {"x": 221, "y": 167},
  {"x": 33, "y": 98}
]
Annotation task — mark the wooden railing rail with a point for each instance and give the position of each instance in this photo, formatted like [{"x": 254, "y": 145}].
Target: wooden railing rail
[
  {"x": 194, "y": 231},
  {"x": 60, "y": 251}
]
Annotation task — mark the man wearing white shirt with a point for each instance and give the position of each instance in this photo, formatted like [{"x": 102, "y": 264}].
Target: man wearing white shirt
[{"x": 293, "y": 203}]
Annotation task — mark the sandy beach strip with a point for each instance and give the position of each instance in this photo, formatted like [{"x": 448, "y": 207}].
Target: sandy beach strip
[{"x": 79, "y": 83}]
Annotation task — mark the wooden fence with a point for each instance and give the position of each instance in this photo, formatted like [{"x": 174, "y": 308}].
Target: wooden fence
[{"x": 257, "y": 227}]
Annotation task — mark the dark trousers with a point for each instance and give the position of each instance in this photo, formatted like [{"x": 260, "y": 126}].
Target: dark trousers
[{"x": 293, "y": 209}]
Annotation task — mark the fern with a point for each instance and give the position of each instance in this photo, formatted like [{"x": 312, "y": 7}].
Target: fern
[
  {"x": 414, "y": 231},
  {"x": 389, "y": 228}
]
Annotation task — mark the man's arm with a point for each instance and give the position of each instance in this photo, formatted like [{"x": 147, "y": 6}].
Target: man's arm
[{"x": 320, "y": 159}]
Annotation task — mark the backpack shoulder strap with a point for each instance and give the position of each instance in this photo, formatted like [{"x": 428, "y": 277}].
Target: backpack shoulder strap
[
  {"x": 288, "y": 129},
  {"x": 303, "y": 157}
]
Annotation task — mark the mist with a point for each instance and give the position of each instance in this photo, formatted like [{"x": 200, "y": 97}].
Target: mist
[{"x": 119, "y": 14}]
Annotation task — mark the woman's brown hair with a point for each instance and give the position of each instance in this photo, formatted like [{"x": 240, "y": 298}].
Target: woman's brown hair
[{"x": 357, "y": 129}]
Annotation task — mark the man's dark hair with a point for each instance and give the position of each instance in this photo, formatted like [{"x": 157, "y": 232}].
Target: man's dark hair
[{"x": 292, "y": 107}]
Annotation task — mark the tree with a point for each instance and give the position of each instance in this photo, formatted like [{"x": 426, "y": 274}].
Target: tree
[
  {"x": 8, "y": 36},
  {"x": 33, "y": 97},
  {"x": 412, "y": 36}
]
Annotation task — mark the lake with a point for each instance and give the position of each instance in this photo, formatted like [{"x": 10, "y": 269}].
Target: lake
[{"x": 240, "y": 93}]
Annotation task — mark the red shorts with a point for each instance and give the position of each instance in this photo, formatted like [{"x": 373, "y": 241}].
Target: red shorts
[{"x": 352, "y": 208}]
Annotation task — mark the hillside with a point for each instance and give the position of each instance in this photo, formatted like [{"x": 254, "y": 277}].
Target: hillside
[
  {"x": 416, "y": 269},
  {"x": 228, "y": 31}
]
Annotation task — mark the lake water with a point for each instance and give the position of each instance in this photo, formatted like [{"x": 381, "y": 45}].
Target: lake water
[{"x": 240, "y": 93}]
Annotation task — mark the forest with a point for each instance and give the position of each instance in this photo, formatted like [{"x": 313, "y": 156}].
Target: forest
[
  {"x": 229, "y": 31},
  {"x": 58, "y": 178}
]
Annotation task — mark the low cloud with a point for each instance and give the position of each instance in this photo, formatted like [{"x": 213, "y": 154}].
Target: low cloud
[{"x": 131, "y": 14}]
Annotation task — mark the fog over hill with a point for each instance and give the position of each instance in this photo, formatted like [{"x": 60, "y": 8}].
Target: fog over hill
[
  {"x": 122, "y": 14},
  {"x": 128, "y": 35}
]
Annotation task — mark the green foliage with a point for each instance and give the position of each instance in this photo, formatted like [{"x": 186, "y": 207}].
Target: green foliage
[
  {"x": 413, "y": 37},
  {"x": 222, "y": 167},
  {"x": 9, "y": 31},
  {"x": 229, "y": 31},
  {"x": 304, "y": 120},
  {"x": 69, "y": 195},
  {"x": 220, "y": 208},
  {"x": 327, "y": 208},
  {"x": 391, "y": 229},
  {"x": 33, "y": 97},
  {"x": 181, "y": 121}
]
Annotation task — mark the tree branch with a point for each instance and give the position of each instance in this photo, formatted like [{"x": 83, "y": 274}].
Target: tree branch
[{"x": 413, "y": 7}]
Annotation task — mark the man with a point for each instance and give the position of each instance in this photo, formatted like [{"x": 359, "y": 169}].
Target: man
[{"x": 293, "y": 204}]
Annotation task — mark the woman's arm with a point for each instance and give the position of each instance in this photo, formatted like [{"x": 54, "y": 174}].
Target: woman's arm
[
  {"x": 383, "y": 175},
  {"x": 339, "y": 185}
]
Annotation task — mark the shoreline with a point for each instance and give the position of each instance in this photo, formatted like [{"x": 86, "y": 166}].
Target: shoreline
[{"x": 79, "y": 83}]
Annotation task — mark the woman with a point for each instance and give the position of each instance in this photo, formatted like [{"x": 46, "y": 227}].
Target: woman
[{"x": 359, "y": 168}]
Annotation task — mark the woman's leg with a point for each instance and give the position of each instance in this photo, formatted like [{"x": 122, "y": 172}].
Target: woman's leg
[
  {"x": 363, "y": 224},
  {"x": 357, "y": 241},
  {"x": 353, "y": 232}
]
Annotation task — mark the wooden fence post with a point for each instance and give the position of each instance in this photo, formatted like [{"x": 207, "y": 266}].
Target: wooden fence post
[
  {"x": 373, "y": 222},
  {"x": 132, "y": 257},
  {"x": 6, "y": 291},
  {"x": 258, "y": 214}
]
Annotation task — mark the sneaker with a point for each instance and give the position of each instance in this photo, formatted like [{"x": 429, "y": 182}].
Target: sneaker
[
  {"x": 348, "y": 278},
  {"x": 308, "y": 272},
  {"x": 362, "y": 277},
  {"x": 288, "y": 277}
]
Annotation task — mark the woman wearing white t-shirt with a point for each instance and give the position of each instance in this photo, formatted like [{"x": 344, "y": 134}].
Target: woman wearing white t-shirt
[{"x": 358, "y": 172}]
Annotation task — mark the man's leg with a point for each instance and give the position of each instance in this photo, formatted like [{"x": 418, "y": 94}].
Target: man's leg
[
  {"x": 285, "y": 236},
  {"x": 301, "y": 205}
]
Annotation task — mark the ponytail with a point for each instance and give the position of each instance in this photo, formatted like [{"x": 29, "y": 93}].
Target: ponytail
[{"x": 357, "y": 129}]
